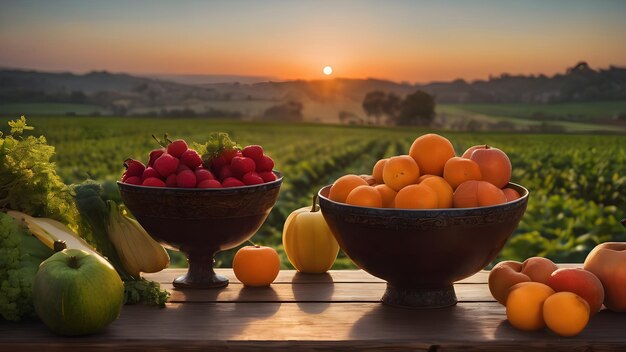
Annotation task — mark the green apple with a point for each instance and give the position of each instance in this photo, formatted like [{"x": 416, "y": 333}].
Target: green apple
[{"x": 77, "y": 293}]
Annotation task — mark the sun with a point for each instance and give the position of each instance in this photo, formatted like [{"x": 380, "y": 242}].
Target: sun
[{"x": 327, "y": 70}]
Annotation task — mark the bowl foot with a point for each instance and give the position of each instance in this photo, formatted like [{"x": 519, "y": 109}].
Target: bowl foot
[
  {"x": 200, "y": 275},
  {"x": 419, "y": 298}
]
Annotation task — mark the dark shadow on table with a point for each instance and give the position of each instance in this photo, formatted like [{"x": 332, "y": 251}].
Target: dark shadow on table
[{"x": 322, "y": 293}]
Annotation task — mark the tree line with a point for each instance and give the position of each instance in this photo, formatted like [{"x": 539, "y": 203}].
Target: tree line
[{"x": 416, "y": 109}]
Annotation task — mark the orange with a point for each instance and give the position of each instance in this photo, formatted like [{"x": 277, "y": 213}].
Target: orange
[
  {"x": 458, "y": 170},
  {"x": 256, "y": 265},
  {"x": 377, "y": 172},
  {"x": 343, "y": 186},
  {"x": 400, "y": 171},
  {"x": 365, "y": 196},
  {"x": 431, "y": 151},
  {"x": 416, "y": 197},
  {"x": 443, "y": 190},
  {"x": 387, "y": 194}
]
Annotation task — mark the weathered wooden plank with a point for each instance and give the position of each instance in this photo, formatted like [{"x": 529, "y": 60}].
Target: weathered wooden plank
[
  {"x": 317, "y": 326},
  {"x": 292, "y": 276},
  {"x": 314, "y": 292}
]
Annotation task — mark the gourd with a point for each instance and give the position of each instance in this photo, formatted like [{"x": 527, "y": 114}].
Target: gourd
[{"x": 308, "y": 241}]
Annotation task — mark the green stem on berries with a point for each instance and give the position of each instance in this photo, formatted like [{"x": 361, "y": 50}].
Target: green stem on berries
[{"x": 158, "y": 141}]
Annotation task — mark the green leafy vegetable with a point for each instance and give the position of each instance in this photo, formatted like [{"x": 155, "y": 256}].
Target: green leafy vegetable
[{"x": 20, "y": 256}]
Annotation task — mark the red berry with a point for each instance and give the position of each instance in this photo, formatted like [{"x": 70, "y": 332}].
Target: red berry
[
  {"x": 209, "y": 184},
  {"x": 186, "y": 179},
  {"x": 150, "y": 172},
  {"x": 232, "y": 182},
  {"x": 171, "y": 181},
  {"x": 267, "y": 176},
  {"x": 153, "y": 182},
  {"x": 166, "y": 164},
  {"x": 133, "y": 180},
  {"x": 191, "y": 158},
  {"x": 182, "y": 167},
  {"x": 225, "y": 172},
  {"x": 204, "y": 174},
  {"x": 252, "y": 178},
  {"x": 155, "y": 154},
  {"x": 265, "y": 163},
  {"x": 134, "y": 167},
  {"x": 225, "y": 157},
  {"x": 254, "y": 152},
  {"x": 242, "y": 165},
  {"x": 177, "y": 147}
]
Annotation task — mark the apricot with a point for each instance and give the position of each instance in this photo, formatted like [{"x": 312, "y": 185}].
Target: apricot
[
  {"x": 343, "y": 186},
  {"x": 495, "y": 166},
  {"x": 503, "y": 276},
  {"x": 443, "y": 189},
  {"x": 566, "y": 313},
  {"x": 470, "y": 150},
  {"x": 423, "y": 177},
  {"x": 511, "y": 194},
  {"x": 458, "y": 170},
  {"x": 387, "y": 194},
  {"x": 431, "y": 152},
  {"x": 416, "y": 197},
  {"x": 471, "y": 194},
  {"x": 524, "y": 305},
  {"x": 377, "y": 172},
  {"x": 400, "y": 171},
  {"x": 369, "y": 179},
  {"x": 581, "y": 282},
  {"x": 538, "y": 269},
  {"x": 365, "y": 196}
]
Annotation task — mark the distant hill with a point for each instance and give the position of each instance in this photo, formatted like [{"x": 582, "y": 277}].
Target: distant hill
[{"x": 321, "y": 100}]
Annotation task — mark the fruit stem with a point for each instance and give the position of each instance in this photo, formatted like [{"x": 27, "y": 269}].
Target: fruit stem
[
  {"x": 314, "y": 207},
  {"x": 73, "y": 263},
  {"x": 59, "y": 246},
  {"x": 254, "y": 244},
  {"x": 158, "y": 141}
]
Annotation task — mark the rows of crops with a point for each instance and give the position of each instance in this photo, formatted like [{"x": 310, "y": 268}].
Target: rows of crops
[{"x": 577, "y": 182}]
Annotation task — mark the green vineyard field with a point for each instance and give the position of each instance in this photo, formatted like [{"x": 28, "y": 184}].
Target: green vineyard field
[{"x": 577, "y": 182}]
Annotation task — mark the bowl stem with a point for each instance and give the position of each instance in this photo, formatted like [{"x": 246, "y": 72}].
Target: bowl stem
[{"x": 200, "y": 273}]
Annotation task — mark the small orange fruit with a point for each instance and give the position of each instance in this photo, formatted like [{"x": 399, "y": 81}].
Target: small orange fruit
[
  {"x": 400, "y": 171},
  {"x": 511, "y": 194},
  {"x": 365, "y": 196},
  {"x": 566, "y": 313},
  {"x": 524, "y": 305},
  {"x": 343, "y": 186},
  {"x": 369, "y": 179},
  {"x": 256, "y": 265},
  {"x": 458, "y": 170},
  {"x": 387, "y": 194},
  {"x": 431, "y": 151},
  {"x": 423, "y": 177},
  {"x": 416, "y": 197},
  {"x": 377, "y": 172},
  {"x": 443, "y": 189},
  {"x": 495, "y": 166},
  {"x": 471, "y": 194}
]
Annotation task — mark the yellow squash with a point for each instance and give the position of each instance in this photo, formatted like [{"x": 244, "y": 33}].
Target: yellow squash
[{"x": 308, "y": 241}]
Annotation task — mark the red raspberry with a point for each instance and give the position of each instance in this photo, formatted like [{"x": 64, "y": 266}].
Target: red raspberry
[
  {"x": 241, "y": 165},
  {"x": 265, "y": 163},
  {"x": 186, "y": 179},
  {"x": 153, "y": 182},
  {"x": 232, "y": 182},
  {"x": 204, "y": 174},
  {"x": 166, "y": 164},
  {"x": 191, "y": 158},
  {"x": 133, "y": 180},
  {"x": 252, "y": 178},
  {"x": 177, "y": 148},
  {"x": 150, "y": 172},
  {"x": 224, "y": 158},
  {"x": 155, "y": 154},
  {"x": 225, "y": 172},
  {"x": 209, "y": 184},
  {"x": 254, "y": 152},
  {"x": 267, "y": 176},
  {"x": 171, "y": 181}
]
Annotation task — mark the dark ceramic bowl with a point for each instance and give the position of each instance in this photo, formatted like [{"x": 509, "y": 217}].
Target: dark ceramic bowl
[
  {"x": 201, "y": 222},
  {"x": 421, "y": 253}
]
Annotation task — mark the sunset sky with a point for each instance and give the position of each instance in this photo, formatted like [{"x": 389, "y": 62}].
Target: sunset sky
[{"x": 415, "y": 41}]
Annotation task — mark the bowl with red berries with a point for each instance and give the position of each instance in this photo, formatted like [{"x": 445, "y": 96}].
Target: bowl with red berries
[{"x": 201, "y": 200}]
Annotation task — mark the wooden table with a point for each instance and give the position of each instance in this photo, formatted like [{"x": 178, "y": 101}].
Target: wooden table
[{"x": 335, "y": 311}]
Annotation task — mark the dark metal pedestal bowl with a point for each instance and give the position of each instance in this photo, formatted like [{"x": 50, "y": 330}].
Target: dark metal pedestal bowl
[
  {"x": 201, "y": 222},
  {"x": 421, "y": 253}
]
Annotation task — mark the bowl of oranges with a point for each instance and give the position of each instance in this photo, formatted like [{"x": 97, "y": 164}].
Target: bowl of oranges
[{"x": 425, "y": 220}]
